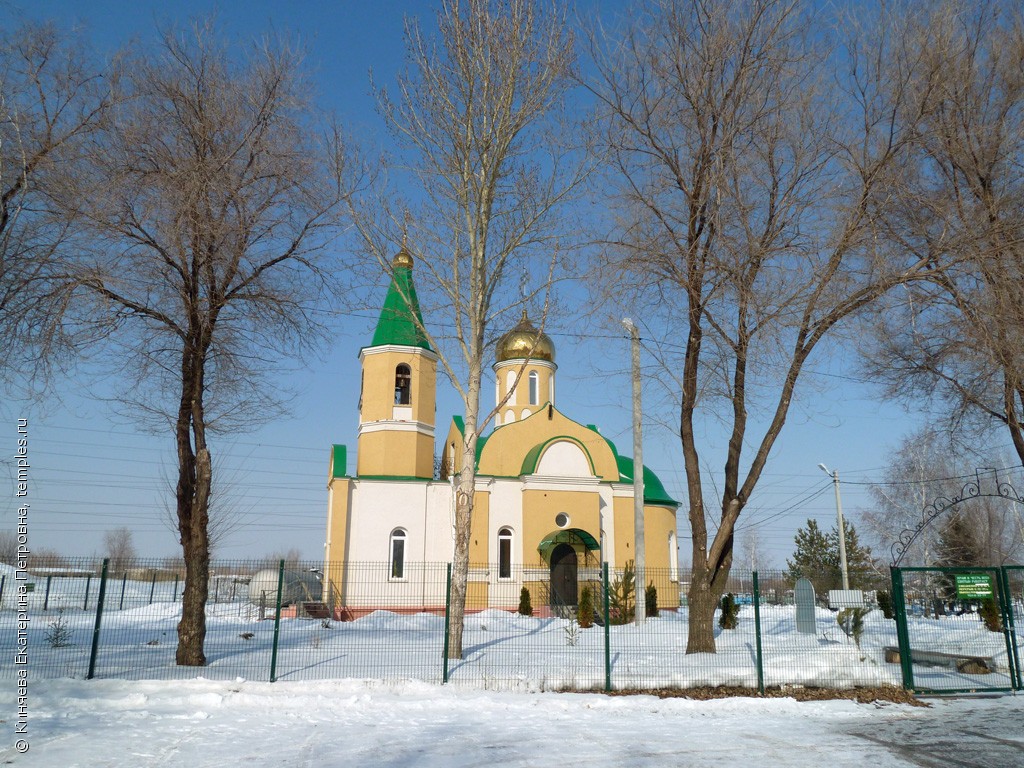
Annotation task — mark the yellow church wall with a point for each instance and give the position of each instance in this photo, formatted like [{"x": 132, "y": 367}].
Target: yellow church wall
[
  {"x": 506, "y": 374},
  {"x": 509, "y": 444},
  {"x": 479, "y": 527},
  {"x": 335, "y": 555},
  {"x": 540, "y": 509},
  {"x": 404, "y": 453},
  {"x": 378, "y": 387},
  {"x": 659, "y": 522}
]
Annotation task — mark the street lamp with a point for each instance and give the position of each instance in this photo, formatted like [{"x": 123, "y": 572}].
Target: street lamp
[{"x": 842, "y": 527}]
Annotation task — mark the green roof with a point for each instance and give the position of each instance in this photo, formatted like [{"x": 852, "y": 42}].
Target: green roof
[
  {"x": 654, "y": 491},
  {"x": 481, "y": 440},
  {"x": 400, "y": 320},
  {"x": 339, "y": 457}
]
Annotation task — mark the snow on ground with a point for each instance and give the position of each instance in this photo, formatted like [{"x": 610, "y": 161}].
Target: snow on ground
[
  {"x": 198, "y": 723},
  {"x": 367, "y": 692}
]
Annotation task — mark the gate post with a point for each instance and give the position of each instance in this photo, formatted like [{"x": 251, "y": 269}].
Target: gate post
[
  {"x": 902, "y": 635},
  {"x": 1009, "y": 628},
  {"x": 447, "y": 620},
  {"x": 757, "y": 632}
]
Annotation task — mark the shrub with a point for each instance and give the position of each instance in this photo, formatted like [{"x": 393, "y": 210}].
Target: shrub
[
  {"x": 585, "y": 611},
  {"x": 729, "y": 617},
  {"x": 851, "y": 621},
  {"x": 989, "y": 613},
  {"x": 651, "y": 600},
  {"x": 885, "y": 603},
  {"x": 58, "y": 634},
  {"x": 622, "y": 596},
  {"x": 525, "y": 608}
]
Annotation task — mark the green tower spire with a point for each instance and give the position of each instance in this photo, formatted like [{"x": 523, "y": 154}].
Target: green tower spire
[{"x": 398, "y": 318}]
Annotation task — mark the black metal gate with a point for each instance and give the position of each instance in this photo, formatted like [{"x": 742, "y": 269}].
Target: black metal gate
[{"x": 956, "y": 628}]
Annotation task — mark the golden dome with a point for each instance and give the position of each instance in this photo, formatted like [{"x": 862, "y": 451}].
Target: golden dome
[
  {"x": 402, "y": 259},
  {"x": 525, "y": 341}
]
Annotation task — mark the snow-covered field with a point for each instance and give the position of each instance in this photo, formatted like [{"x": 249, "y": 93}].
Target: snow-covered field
[
  {"x": 200, "y": 723},
  {"x": 368, "y": 693}
]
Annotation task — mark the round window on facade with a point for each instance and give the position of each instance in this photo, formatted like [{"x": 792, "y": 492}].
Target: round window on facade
[{"x": 561, "y": 519}]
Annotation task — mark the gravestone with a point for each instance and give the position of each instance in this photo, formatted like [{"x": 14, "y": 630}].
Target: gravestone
[{"x": 804, "y": 596}]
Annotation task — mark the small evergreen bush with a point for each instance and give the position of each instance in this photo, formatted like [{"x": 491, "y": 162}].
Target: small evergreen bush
[
  {"x": 622, "y": 596},
  {"x": 989, "y": 613},
  {"x": 729, "y": 617},
  {"x": 851, "y": 621},
  {"x": 651, "y": 601},
  {"x": 585, "y": 611},
  {"x": 525, "y": 608},
  {"x": 885, "y": 604},
  {"x": 58, "y": 633}
]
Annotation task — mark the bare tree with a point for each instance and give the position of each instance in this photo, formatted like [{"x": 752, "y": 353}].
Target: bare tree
[
  {"x": 120, "y": 548},
  {"x": 8, "y": 547},
  {"x": 52, "y": 98},
  {"x": 207, "y": 224},
  {"x": 477, "y": 120},
  {"x": 749, "y": 180},
  {"x": 924, "y": 475},
  {"x": 958, "y": 338}
]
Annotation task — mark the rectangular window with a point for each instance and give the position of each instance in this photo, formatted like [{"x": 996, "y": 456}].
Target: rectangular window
[
  {"x": 504, "y": 558},
  {"x": 397, "y": 558}
]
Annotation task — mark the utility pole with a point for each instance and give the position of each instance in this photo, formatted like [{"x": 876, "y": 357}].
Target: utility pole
[
  {"x": 640, "y": 613},
  {"x": 842, "y": 526}
]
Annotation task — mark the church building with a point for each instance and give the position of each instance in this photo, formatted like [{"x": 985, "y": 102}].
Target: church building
[{"x": 554, "y": 498}]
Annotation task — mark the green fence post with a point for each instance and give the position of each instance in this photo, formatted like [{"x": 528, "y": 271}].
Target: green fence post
[
  {"x": 124, "y": 583},
  {"x": 174, "y": 593},
  {"x": 607, "y": 635},
  {"x": 757, "y": 633},
  {"x": 277, "y": 622},
  {"x": 152, "y": 588},
  {"x": 46, "y": 599},
  {"x": 99, "y": 615},
  {"x": 447, "y": 621},
  {"x": 88, "y": 583},
  {"x": 902, "y": 634},
  {"x": 1009, "y": 630}
]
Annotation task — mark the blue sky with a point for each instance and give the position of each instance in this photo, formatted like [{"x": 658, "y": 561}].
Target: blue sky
[{"x": 92, "y": 472}]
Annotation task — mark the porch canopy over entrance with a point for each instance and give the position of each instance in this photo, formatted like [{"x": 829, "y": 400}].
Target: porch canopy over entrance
[{"x": 568, "y": 536}]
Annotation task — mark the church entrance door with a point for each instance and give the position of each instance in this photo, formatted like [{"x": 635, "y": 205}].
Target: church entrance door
[{"x": 563, "y": 578}]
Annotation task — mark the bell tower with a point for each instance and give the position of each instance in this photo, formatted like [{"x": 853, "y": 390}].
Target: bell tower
[{"x": 399, "y": 387}]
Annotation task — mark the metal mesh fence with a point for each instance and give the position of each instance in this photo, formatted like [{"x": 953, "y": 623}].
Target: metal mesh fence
[
  {"x": 955, "y": 641},
  {"x": 368, "y": 620}
]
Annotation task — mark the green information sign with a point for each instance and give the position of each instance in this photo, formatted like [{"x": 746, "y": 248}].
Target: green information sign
[{"x": 973, "y": 586}]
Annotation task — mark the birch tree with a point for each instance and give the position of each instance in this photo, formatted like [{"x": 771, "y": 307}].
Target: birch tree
[
  {"x": 750, "y": 167},
  {"x": 212, "y": 205},
  {"x": 482, "y": 153}
]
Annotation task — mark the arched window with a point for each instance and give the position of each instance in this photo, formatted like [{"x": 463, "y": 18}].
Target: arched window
[
  {"x": 505, "y": 553},
  {"x": 534, "y": 388},
  {"x": 509, "y": 417},
  {"x": 510, "y": 386},
  {"x": 398, "y": 554},
  {"x": 403, "y": 385},
  {"x": 673, "y": 558}
]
